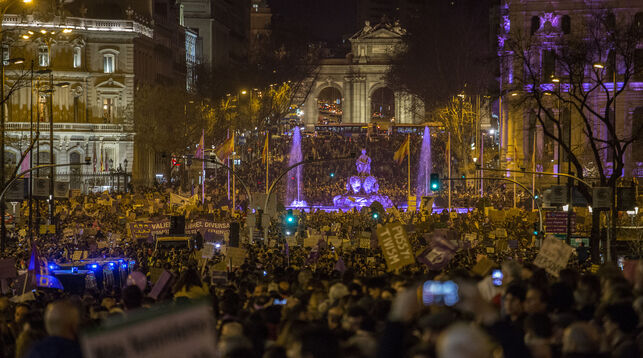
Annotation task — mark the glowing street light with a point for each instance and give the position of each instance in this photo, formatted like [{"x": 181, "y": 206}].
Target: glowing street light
[
  {"x": 599, "y": 65},
  {"x": 244, "y": 92}
]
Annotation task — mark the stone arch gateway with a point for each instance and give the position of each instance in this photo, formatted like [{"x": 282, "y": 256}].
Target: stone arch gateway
[{"x": 360, "y": 75}]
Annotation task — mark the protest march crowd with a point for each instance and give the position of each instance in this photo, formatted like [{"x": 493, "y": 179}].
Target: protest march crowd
[{"x": 344, "y": 284}]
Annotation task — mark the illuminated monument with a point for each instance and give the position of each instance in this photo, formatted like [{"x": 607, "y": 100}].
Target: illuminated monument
[{"x": 361, "y": 188}]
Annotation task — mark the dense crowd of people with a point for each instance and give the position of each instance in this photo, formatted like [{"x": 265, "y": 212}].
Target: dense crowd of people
[{"x": 326, "y": 289}]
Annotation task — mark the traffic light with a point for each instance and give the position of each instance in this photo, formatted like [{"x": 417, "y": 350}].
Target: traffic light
[
  {"x": 290, "y": 224},
  {"x": 332, "y": 175},
  {"x": 536, "y": 230},
  {"x": 435, "y": 181},
  {"x": 375, "y": 215}
]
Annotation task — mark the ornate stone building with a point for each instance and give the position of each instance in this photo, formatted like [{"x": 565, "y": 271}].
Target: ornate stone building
[
  {"x": 545, "y": 26},
  {"x": 94, "y": 66},
  {"x": 354, "y": 88}
]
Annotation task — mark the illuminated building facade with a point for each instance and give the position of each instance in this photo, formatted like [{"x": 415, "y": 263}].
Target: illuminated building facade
[
  {"x": 95, "y": 66},
  {"x": 545, "y": 25}
]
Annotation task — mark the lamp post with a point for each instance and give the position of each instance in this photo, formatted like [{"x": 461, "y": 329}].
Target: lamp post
[
  {"x": 52, "y": 171},
  {"x": 5, "y": 6}
]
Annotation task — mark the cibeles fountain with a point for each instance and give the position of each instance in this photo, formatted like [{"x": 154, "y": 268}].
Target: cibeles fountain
[{"x": 361, "y": 188}]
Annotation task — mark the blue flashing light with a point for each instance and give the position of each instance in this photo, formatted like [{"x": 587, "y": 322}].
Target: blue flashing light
[
  {"x": 120, "y": 260},
  {"x": 111, "y": 264},
  {"x": 132, "y": 263},
  {"x": 124, "y": 266},
  {"x": 94, "y": 266},
  {"x": 52, "y": 267}
]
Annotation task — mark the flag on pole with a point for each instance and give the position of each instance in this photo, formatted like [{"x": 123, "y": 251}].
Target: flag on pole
[
  {"x": 264, "y": 154},
  {"x": 24, "y": 166},
  {"x": 94, "y": 161},
  {"x": 226, "y": 148},
  {"x": 200, "y": 148},
  {"x": 39, "y": 272},
  {"x": 102, "y": 168},
  {"x": 402, "y": 152}
]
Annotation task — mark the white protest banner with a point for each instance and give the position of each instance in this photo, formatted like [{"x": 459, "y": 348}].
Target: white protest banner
[
  {"x": 170, "y": 332},
  {"x": 553, "y": 256},
  {"x": 395, "y": 246}
]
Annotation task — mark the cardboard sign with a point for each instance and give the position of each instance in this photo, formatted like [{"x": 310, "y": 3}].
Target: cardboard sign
[
  {"x": 482, "y": 267},
  {"x": 334, "y": 241},
  {"x": 47, "y": 229},
  {"x": 501, "y": 233},
  {"x": 311, "y": 240},
  {"x": 235, "y": 256},
  {"x": 292, "y": 241},
  {"x": 395, "y": 246},
  {"x": 553, "y": 256},
  {"x": 365, "y": 243},
  {"x": 168, "y": 332}
]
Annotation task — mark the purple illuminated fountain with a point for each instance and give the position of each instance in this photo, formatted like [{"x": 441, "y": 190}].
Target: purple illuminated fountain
[
  {"x": 361, "y": 188},
  {"x": 294, "y": 193},
  {"x": 425, "y": 167}
]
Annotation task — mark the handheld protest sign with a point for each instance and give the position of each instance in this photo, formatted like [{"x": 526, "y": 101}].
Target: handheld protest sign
[{"x": 395, "y": 246}]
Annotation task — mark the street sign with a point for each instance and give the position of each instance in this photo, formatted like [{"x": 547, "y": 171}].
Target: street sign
[
  {"x": 40, "y": 188},
  {"x": 625, "y": 198},
  {"x": 556, "y": 222},
  {"x": 61, "y": 190},
  {"x": 558, "y": 195},
  {"x": 16, "y": 191},
  {"x": 601, "y": 198}
]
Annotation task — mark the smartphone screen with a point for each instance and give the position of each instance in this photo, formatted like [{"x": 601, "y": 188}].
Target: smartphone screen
[
  {"x": 440, "y": 293},
  {"x": 496, "y": 276},
  {"x": 279, "y": 302}
]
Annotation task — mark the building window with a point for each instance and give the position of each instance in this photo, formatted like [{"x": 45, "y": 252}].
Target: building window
[
  {"x": 566, "y": 24},
  {"x": 43, "y": 56},
  {"x": 108, "y": 108},
  {"x": 548, "y": 66},
  {"x": 77, "y": 57},
  {"x": 109, "y": 63},
  {"x": 5, "y": 54},
  {"x": 535, "y": 24}
]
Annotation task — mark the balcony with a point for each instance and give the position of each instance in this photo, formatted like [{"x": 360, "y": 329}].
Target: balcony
[
  {"x": 77, "y": 23},
  {"x": 72, "y": 127}
]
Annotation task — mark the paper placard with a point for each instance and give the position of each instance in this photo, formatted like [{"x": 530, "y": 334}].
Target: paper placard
[
  {"x": 365, "y": 243},
  {"x": 236, "y": 256},
  {"x": 553, "y": 256}
]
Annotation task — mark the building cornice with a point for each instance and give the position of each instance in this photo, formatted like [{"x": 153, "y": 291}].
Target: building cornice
[{"x": 79, "y": 24}]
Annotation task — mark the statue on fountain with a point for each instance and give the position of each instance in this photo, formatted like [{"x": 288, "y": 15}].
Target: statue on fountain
[
  {"x": 363, "y": 164},
  {"x": 361, "y": 188}
]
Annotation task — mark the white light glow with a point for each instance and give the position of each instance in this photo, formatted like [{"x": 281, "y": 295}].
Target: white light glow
[{"x": 566, "y": 207}]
